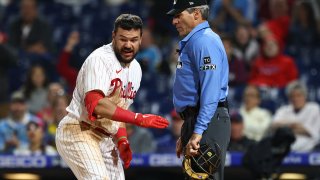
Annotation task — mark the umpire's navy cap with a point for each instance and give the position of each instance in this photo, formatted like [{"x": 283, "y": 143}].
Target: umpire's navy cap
[{"x": 181, "y": 5}]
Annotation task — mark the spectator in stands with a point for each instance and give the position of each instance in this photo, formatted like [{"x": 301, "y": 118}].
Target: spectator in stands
[
  {"x": 29, "y": 32},
  {"x": 55, "y": 90},
  {"x": 4, "y": 3},
  {"x": 149, "y": 55},
  {"x": 141, "y": 140},
  {"x": 246, "y": 47},
  {"x": 303, "y": 31},
  {"x": 168, "y": 145},
  {"x": 36, "y": 133},
  {"x": 8, "y": 59},
  {"x": 13, "y": 128},
  {"x": 238, "y": 75},
  {"x": 278, "y": 26},
  {"x": 256, "y": 119},
  {"x": 73, "y": 3},
  {"x": 265, "y": 12},
  {"x": 226, "y": 14},
  {"x": 168, "y": 65},
  {"x": 272, "y": 68},
  {"x": 64, "y": 68},
  {"x": 238, "y": 141},
  {"x": 113, "y": 3},
  {"x": 35, "y": 88},
  {"x": 59, "y": 105},
  {"x": 304, "y": 36},
  {"x": 300, "y": 115}
]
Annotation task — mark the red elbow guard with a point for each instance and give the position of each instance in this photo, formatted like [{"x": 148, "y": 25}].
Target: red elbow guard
[{"x": 91, "y": 100}]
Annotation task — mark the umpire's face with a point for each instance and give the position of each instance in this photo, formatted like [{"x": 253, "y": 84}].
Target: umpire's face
[
  {"x": 126, "y": 44},
  {"x": 185, "y": 22}
]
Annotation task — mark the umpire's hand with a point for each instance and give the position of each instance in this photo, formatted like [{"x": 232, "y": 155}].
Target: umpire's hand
[{"x": 193, "y": 145}]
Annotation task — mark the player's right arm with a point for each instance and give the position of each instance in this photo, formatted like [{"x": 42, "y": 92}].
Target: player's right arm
[
  {"x": 96, "y": 78},
  {"x": 99, "y": 106}
]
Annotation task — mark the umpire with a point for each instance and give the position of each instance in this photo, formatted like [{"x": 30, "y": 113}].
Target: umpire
[{"x": 201, "y": 84}]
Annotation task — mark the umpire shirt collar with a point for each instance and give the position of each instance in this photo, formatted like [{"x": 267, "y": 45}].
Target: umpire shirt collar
[{"x": 199, "y": 27}]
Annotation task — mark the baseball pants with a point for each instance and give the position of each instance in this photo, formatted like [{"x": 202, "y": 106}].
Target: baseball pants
[
  {"x": 219, "y": 131},
  {"x": 90, "y": 157}
]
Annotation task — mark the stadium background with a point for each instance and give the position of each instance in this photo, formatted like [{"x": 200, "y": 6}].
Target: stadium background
[{"x": 93, "y": 21}]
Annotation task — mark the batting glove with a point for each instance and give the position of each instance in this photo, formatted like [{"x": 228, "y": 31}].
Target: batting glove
[
  {"x": 125, "y": 152},
  {"x": 150, "y": 121},
  {"x": 143, "y": 120}
]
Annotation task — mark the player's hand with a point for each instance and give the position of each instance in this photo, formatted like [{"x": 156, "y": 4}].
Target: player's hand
[
  {"x": 125, "y": 152},
  {"x": 193, "y": 145},
  {"x": 179, "y": 147},
  {"x": 151, "y": 121}
]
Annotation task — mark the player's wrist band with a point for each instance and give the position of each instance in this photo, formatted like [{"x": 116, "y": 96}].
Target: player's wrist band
[
  {"x": 121, "y": 138},
  {"x": 121, "y": 134}
]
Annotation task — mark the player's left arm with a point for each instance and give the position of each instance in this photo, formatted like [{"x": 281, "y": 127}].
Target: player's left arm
[
  {"x": 123, "y": 145},
  {"x": 210, "y": 61},
  {"x": 207, "y": 58}
]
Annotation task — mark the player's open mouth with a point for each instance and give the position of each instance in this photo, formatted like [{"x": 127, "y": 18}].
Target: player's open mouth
[{"x": 129, "y": 53}]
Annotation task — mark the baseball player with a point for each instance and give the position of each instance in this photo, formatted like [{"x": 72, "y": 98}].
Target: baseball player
[{"x": 93, "y": 133}]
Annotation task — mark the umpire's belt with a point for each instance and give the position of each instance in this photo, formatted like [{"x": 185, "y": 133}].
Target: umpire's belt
[
  {"x": 191, "y": 111},
  {"x": 87, "y": 126}
]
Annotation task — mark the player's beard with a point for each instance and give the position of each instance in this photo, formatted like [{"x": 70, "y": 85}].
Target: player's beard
[{"x": 118, "y": 53}]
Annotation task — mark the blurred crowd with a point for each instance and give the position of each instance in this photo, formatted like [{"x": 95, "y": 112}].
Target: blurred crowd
[{"x": 273, "y": 48}]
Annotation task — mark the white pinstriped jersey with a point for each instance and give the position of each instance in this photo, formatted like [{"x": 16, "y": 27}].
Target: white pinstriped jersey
[{"x": 102, "y": 71}]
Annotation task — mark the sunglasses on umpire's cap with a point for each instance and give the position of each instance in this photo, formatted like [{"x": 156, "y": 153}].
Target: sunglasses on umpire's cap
[{"x": 181, "y": 5}]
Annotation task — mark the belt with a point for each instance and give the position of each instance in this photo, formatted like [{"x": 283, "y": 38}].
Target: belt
[
  {"x": 189, "y": 111},
  {"x": 223, "y": 104},
  {"x": 87, "y": 126},
  {"x": 193, "y": 110}
]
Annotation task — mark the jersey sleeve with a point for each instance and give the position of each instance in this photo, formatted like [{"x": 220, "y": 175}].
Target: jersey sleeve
[
  {"x": 136, "y": 78},
  {"x": 97, "y": 74},
  {"x": 208, "y": 57},
  {"x": 138, "y": 74}
]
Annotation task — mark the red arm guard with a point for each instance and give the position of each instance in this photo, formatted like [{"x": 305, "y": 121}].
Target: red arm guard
[{"x": 123, "y": 115}]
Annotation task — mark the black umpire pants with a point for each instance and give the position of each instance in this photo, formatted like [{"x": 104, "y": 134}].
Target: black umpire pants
[{"x": 218, "y": 131}]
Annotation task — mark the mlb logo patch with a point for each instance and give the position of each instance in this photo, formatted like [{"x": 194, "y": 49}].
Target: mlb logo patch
[
  {"x": 179, "y": 64},
  {"x": 206, "y": 60}
]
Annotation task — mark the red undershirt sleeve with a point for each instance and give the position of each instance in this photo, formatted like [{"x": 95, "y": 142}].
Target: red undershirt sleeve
[{"x": 91, "y": 100}]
